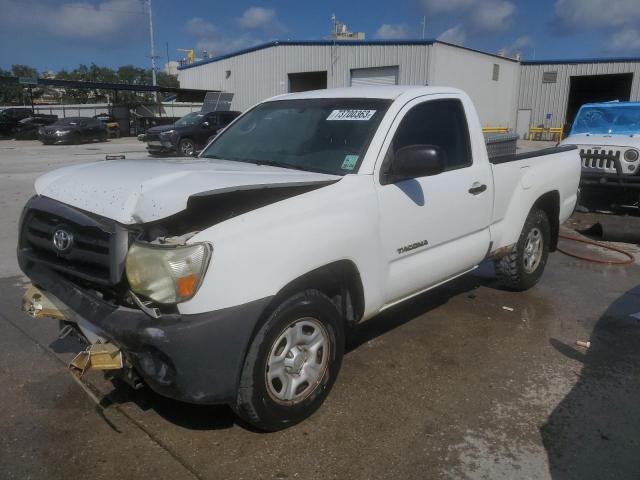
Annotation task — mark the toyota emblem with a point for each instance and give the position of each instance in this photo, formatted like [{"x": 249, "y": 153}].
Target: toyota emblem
[{"x": 62, "y": 240}]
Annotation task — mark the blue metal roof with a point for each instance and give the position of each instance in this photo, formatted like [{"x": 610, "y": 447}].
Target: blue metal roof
[
  {"x": 349, "y": 43},
  {"x": 275, "y": 43},
  {"x": 581, "y": 60}
]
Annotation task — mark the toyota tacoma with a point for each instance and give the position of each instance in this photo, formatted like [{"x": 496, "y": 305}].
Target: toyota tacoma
[{"x": 230, "y": 278}]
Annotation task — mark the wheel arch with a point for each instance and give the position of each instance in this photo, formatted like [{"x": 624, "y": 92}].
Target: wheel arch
[
  {"x": 549, "y": 203},
  {"x": 339, "y": 280}
]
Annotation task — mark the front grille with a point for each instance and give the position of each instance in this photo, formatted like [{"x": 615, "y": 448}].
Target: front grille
[
  {"x": 98, "y": 248},
  {"x": 600, "y": 159},
  {"x": 151, "y": 137}
]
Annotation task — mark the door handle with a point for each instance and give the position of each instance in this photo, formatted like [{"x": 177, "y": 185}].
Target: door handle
[{"x": 477, "y": 188}]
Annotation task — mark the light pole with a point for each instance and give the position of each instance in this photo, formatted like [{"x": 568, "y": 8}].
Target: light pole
[{"x": 153, "y": 50}]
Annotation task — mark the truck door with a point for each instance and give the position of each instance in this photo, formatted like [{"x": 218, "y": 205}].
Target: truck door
[{"x": 435, "y": 227}]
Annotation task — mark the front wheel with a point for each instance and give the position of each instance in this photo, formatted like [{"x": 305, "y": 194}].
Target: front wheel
[
  {"x": 523, "y": 267},
  {"x": 292, "y": 362},
  {"x": 186, "y": 148}
]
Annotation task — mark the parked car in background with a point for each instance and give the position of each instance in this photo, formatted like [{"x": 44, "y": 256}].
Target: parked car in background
[
  {"x": 232, "y": 278},
  {"x": 109, "y": 121},
  {"x": 608, "y": 136},
  {"x": 73, "y": 130},
  {"x": 9, "y": 118},
  {"x": 188, "y": 135},
  {"x": 27, "y": 128}
]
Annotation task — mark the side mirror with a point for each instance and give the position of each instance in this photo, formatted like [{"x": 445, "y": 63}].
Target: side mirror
[
  {"x": 205, "y": 124},
  {"x": 415, "y": 161}
]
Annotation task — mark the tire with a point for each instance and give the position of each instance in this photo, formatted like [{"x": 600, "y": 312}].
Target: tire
[
  {"x": 186, "y": 148},
  {"x": 523, "y": 267},
  {"x": 263, "y": 398}
]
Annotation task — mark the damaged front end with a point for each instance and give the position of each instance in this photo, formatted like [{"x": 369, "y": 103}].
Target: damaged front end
[
  {"x": 100, "y": 354},
  {"x": 118, "y": 287}
]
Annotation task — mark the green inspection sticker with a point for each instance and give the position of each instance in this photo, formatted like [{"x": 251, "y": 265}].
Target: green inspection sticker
[{"x": 349, "y": 162}]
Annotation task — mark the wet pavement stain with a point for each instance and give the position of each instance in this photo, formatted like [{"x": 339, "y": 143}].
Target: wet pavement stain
[{"x": 448, "y": 385}]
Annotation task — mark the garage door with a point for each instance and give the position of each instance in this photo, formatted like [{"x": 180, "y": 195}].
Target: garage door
[{"x": 374, "y": 76}]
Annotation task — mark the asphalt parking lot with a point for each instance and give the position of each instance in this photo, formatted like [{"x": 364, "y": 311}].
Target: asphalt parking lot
[{"x": 466, "y": 381}]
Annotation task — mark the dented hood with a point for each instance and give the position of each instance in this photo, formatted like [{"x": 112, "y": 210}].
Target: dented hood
[{"x": 140, "y": 191}]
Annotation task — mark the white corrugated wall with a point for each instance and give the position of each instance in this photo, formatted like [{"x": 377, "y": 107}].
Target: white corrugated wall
[
  {"x": 260, "y": 74},
  {"x": 543, "y": 98}
]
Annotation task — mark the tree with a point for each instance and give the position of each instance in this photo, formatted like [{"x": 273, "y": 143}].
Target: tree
[
  {"x": 166, "y": 80},
  {"x": 16, "y": 94},
  {"x": 10, "y": 93}
]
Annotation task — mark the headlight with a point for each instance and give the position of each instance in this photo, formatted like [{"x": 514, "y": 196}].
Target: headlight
[
  {"x": 167, "y": 274},
  {"x": 631, "y": 155},
  {"x": 168, "y": 133}
]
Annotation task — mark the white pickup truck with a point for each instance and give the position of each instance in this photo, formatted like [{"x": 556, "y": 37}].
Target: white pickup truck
[{"x": 230, "y": 278}]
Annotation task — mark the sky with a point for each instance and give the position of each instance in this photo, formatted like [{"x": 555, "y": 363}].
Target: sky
[{"x": 57, "y": 34}]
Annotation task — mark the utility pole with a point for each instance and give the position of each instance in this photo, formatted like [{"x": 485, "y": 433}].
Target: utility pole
[
  {"x": 153, "y": 50},
  {"x": 424, "y": 25}
]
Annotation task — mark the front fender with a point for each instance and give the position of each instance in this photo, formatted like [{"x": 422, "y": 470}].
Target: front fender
[{"x": 258, "y": 253}]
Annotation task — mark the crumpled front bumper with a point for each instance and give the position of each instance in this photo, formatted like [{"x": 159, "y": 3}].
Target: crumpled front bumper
[{"x": 193, "y": 358}]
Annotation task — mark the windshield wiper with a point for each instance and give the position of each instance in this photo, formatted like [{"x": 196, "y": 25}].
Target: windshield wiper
[{"x": 273, "y": 163}]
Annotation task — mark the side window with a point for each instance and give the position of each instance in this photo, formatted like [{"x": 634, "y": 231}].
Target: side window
[
  {"x": 437, "y": 122},
  {"x": 212, "y": 119}
]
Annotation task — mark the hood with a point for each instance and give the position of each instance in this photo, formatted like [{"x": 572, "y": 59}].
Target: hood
[
  {"x": 160, "y": 128},
  {"x": 609, "y": 140},
  {"x": 60, "y": 128},
  {"x": 141, "y": 191}
]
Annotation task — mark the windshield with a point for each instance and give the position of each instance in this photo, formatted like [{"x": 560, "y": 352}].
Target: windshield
[
  {"x": 190, "y": 119},
  {"x": 318, "y": 135},
  {"x": 623, "y": 119}
]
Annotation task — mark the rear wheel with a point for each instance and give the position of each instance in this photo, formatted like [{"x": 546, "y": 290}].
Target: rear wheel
[
  {"x": 186, "y": 148},
  {"x": 292, "y": 362},
  {"x": 523, "y": 267}
]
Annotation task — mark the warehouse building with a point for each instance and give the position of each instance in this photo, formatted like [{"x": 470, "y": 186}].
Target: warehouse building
[
  {"x": 507, "y": 93},
  {"x": 551, "y": 92},
  {"x": 290, "y": 66}
]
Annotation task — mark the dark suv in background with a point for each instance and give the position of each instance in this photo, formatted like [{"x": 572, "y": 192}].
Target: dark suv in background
[
  {"x": 73, "y": 130},
  {"x": 188, "y": 135},
  {"x": 9, "y": 118}
]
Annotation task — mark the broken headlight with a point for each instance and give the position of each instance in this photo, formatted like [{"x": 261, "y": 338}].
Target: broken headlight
[{"x": 167, "y": 274}]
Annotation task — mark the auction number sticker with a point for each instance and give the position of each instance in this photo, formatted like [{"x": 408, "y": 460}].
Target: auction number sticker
[{"x": 362, "y": 115}]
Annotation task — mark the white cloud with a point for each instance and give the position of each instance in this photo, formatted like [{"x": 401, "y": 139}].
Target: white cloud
[
  {"x": 493, "y": 16},
  {"x": 84, "y": 20},
  {"x": 455, "y": 35},
  {"x": 617, "y": 19},
  {"x": 516, "y": 47},
  {"x": 214, "y": 40},
  {"x": 479, "y": 16},
  {"x": 200, "y": 27},
  {"x": 626, "y": 39},
  {"x": 259, "y": 18},
  {"x": 580, "y": 14},
  {"x": 393, "y": 31}
]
